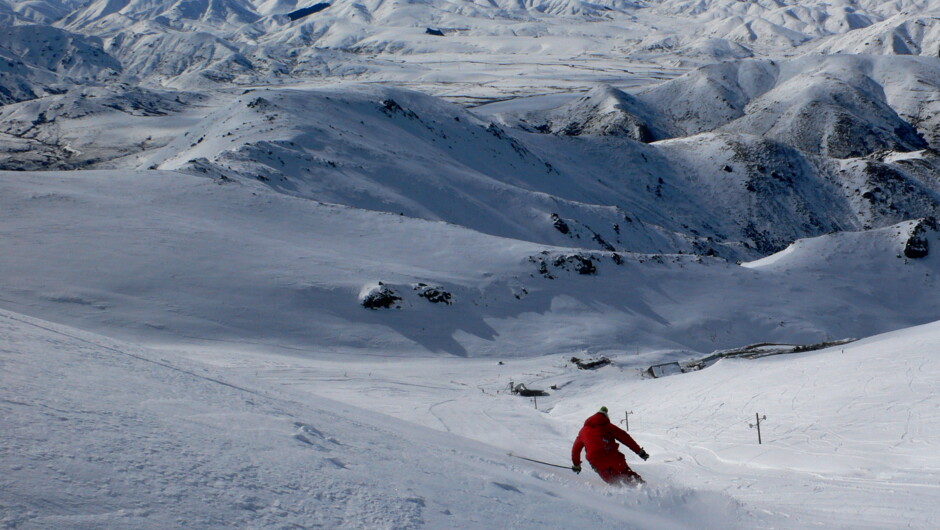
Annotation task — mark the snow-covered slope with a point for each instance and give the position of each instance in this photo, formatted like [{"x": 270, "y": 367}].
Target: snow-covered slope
[
  {"x": 100, "y": 432},
  {"x": 33, "y": 11},
  {"x": 103, "y": 433},
  {"x": 192, "y": 59},
  {"x": 406, "y": 205},
  {"x": 137, "y": 255},
  {"x": 403, "y": 152},
  {"x": 58, "y": 51},
  {"x": 94, "y": 126},
  {"x": 847, "y": 441},
  {"x": 110, "y": 15},
  {"x": 21, "y": 81},
  {"x": 837, "y": 106},
  {"x": 37, "y": 60},
  {"x": 843, "y": 106},
  {"x": 603, "y": 111},
  {"x": 903, "y": 34}
]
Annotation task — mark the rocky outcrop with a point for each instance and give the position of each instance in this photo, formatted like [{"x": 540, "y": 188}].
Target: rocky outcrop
[
  {"x": 918, "y": 244},
  {"x": 379, "y": 297}
]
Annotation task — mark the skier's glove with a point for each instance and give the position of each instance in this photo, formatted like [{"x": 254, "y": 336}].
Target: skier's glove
[
  {"x": 643, "y": 454},
  {"x": 576, "y": 469}
]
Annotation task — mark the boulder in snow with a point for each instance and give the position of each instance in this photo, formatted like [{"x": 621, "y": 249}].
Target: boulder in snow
[{"x": 379, "y": 297}]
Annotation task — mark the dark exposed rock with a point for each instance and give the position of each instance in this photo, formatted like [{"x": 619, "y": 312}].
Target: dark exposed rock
[
  {"x": 568, "y": 262},
  {"x": 560, "y": 224},
  {"x": 391, "y": 107},
  {"x": 918, "y": 246},
  {"x": 259, "y": 103},
  {"x": 572, "y": 129},
  {"x": 762, "y": 240},
  {"x": 603, "y": 243},
  {"x": 520, "y": 149},
  {"x": 434, "y": 294},
  {"x": 590, "y": 365},
  {"x": 579, "y": 263},
  {"x": 543, "y": 270},
  {"x": 380, "y": 297}
]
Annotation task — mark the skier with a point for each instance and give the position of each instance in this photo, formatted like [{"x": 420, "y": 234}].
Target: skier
[{"x": 600, "y": 438}]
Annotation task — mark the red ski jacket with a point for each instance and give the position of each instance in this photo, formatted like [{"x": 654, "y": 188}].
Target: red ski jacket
[{"x": 600, "y": 438}]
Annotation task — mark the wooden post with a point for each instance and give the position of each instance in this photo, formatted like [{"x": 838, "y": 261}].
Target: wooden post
[
  {"x": 759, "y": 419},
  {"x": 535, "y": 400}
]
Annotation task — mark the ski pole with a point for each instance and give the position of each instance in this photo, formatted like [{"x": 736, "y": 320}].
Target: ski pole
[{"x": 539, "y": 461}]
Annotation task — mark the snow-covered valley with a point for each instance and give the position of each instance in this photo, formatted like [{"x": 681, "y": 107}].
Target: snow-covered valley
[{"x": 275, "y": 264}]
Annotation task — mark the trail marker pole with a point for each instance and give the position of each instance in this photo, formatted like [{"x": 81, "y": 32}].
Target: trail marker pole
[
  {"x": 752, "y": 425},
  {"x": 626, "y": 419},
  {"x": 535, "y": 400}
]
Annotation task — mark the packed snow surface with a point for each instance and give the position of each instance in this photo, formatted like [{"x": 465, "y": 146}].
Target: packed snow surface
[
  {"x": 129, "y": 437},
  {"x": 99, "y": 432}
]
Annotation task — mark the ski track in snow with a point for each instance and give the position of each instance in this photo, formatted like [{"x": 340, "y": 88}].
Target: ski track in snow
[
  {"x": 106, "y": 434},
  {"x": 829, "y": 454}
]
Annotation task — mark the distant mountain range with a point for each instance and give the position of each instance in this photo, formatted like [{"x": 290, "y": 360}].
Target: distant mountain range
[{"x": 195, "y": 44}]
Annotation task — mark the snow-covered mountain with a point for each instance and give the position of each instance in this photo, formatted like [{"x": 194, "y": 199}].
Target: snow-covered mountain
[
  {"x": 33, "y": 11},
  {"x": 589, "y": 184},
  {"x": 58, "y": 51},
  {"x": 903, "y": 34},
  {"x": 111, "y": 15},
  {"x": 409, "y": 206},
  {"x": 160, "y": 41},
  {"x": 406, "y": 153},
  {"x": 37, "y": 60}
]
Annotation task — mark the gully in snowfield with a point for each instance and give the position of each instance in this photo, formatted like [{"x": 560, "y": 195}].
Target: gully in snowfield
[{"x": 600, "y": 438}]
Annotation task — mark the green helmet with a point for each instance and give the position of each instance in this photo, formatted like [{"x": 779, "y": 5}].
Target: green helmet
[{"x": 603, "y": 411}]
